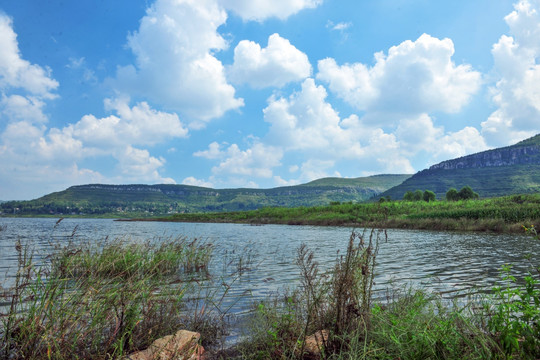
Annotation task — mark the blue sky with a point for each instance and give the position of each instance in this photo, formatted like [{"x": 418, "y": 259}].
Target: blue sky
[{"x": 257, "y": 93}]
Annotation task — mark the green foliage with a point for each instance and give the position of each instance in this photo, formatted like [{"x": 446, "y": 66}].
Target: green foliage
[
  {"x": 429, "y": 196},
  {"x": 409, "y": 325},
  {"x": 516, "y": 316},
  {"x": 452, "y": 195},
  {"x": 409, "y": 196},
  {"x": 514, "y": 310},
  {"x": 496, "y": 214},
  {"x": 467, "y": 193},
  {"x": 418, "y": 195},
  {"x": 339, "y": 302},
  {"x": 487, "y": 181}
]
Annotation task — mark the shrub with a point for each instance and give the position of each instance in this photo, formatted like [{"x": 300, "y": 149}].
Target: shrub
[
  {"x": 452, "y": 195},
  {"x": 467, "y": 193},
  {"x": 429, "y": 196}
]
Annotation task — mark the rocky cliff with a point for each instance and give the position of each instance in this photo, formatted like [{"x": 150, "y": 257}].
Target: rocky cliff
[
  {"x": 512, "y": 155},
  {"x": 504, "y": 171}
]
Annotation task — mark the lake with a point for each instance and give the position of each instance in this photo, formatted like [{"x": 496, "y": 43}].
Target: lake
[{"x": 449, "y": 263}]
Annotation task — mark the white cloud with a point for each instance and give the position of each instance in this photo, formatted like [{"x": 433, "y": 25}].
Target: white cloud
[
  {"x": 213, "y": 152},
  {"x": 138, "y": 165},
  {"x": 30, "y": 156},
  {"x": 175, "y": 65},
  {"x": 138, "y": 125},
  {"x": 21, "y": 108},
  {"x": 419, "y": 134},
  {"x": 18, "y": 73},
  {"x": 313, "y": 169},
  {"x": 24, "y": 146},
  {"x": 257, "y": 161},
  {"x": 260, "y": 10},
  {"x": 414, "y": 77},
  {"x": 516, "y": 93},
  {"x": 342, "y": 26},
  {"x": 279, "y": 181},
  {"x": 306, "y": 122},
  {"x": 276, "y": 65},
  {"x": 197, "y": 182},
  {"x": 460, "y": 143}
]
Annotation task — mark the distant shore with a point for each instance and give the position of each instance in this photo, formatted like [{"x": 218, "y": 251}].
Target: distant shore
[{"x": 507, "y": 214}]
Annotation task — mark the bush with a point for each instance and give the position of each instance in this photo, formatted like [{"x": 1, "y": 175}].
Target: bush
[
  {"x": 467, "y": 193},
  {"x": 429, "y": 196}
]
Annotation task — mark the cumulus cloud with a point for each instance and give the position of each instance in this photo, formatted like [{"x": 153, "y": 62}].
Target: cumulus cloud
[
  {"x": 175, "y": 65},
  {"x": 190, "y": 180},
  {"x": 138, "y": 165},
  {"x": 257, "y": 161},
  {"x": 306, "y": 127},
  {"x": 51, "y": 151},
  {"x": 213, "y": 152},
  {"x": 260, "y": 10},
  {"x": 306, "y": 122},
  {"x": 276, "y": 65},
  {"x": 17, "y": 73},
  {"x": 516, "y": 93},
  {"x": 21, "y": 108},
  {"x": 414, "y": 77},
  {"x": 138, "y": 125},
  {"x": 29, "y": 154}
]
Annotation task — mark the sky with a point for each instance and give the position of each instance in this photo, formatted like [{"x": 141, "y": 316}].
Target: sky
[{"x": 257, "y": 93}]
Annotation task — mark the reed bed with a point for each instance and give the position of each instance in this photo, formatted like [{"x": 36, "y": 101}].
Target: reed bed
[{"x": 99, "y": 301}]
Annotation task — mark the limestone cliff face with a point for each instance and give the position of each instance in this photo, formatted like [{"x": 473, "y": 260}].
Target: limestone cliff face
[{"x": 512, "y": 155}]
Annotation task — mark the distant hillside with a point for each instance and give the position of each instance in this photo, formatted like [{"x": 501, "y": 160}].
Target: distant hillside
[
  {"x": 509, "y": 170},
  {"x": 145, "y": 200}
]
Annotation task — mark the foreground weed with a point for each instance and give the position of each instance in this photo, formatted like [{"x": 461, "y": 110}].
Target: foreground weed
[{"x": 98, "y": 302}]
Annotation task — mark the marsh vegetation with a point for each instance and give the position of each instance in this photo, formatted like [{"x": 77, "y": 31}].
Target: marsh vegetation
[{"x": 105, "y": 300}]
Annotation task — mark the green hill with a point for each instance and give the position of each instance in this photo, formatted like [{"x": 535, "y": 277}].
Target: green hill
[
  {"x": 146, "y": 200},
  {"x": 503, "y": 171}
]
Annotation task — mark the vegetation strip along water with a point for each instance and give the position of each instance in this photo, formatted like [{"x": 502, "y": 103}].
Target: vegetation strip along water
[{"x": 501, "y": 214}]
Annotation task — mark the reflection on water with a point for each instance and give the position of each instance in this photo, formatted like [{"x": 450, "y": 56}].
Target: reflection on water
[{"x": 438, "y": 261}]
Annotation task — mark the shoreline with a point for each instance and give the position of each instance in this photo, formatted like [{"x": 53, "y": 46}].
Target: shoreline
[{"x": 461, "y": 225}]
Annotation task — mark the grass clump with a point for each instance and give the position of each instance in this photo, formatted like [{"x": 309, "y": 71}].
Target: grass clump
[
  {"x": 341, "y": 307},
  {"x": 98, "y": 302}
]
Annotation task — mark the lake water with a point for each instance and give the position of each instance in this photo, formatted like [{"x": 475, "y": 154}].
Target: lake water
[{"x": 445, "y": 262}]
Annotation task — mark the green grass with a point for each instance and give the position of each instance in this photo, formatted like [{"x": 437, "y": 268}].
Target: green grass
[
  {"x": 408, "y": 324},
  {"x": 503, "y": 214},
  {"x": 99, "y": 301}
]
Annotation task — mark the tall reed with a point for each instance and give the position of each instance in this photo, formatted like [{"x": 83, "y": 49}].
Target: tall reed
[{"x": 98, "y": 302}]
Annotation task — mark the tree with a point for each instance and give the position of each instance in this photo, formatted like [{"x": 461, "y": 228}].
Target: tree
[
  {"x": 429, "y": 196},
  {"x": 418, "y": 195},
  {"x": 467, "y": 193},
  {"x": 452, "y": 195},
  {"x": 409, "y": 196}
]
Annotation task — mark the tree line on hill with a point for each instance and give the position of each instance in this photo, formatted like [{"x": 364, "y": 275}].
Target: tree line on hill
[{"x": 452, "y": 194}]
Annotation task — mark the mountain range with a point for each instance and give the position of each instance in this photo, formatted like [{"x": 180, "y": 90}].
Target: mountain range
[
  {"x": 503, "y": 171},
  {"x": 99, "y": 199}
]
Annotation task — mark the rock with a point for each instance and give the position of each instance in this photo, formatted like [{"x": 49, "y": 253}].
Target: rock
[
  {"x": 184, "y": 345},
  {"x": 315, "y": 343}
]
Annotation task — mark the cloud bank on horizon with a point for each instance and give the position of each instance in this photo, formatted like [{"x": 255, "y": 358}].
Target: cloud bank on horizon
[{"x": 236, "y": 93}]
